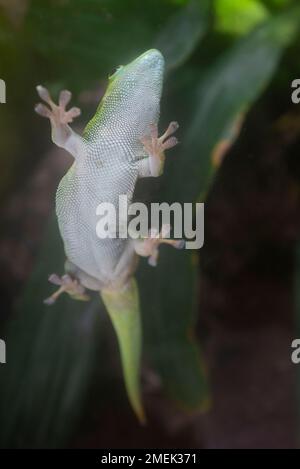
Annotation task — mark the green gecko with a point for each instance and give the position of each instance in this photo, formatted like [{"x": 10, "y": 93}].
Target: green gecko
[{"x": 118, "y": 146}]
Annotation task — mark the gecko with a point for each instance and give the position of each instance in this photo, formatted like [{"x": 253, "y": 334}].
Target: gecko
[{"x": 119, "y": 145}]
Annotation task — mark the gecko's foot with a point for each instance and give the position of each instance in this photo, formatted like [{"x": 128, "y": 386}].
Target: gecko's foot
[
  {"x": 68, "y": 285},
  {"x": 56, "y": 113},
  {"x": 148, "y": 247},
  {"x": 155, "y": 145}
]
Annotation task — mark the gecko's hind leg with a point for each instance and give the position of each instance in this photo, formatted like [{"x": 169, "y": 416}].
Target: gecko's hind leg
[
  {"x": 69, "y": 285},
  {"x": 155, "y": 147},
  {"x": 62, "y": 135},
  {"x": 86, "y": 280},
  {"x": 149, "y": 247}
]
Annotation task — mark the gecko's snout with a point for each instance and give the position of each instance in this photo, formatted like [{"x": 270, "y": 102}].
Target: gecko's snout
[{"x": 152, "y": 58}]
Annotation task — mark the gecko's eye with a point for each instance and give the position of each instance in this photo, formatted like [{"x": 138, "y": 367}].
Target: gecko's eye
[{"x": 115, "y": 72}]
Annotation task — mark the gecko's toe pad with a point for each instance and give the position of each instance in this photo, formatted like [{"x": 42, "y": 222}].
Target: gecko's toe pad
[{"x": 57, "y": 113}]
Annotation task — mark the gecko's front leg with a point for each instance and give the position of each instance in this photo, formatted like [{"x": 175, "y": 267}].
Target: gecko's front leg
[
  {"x": 155, "y": 147},
  {"x": 62, "y": 134},
  {"x": 153, "y": 166}
]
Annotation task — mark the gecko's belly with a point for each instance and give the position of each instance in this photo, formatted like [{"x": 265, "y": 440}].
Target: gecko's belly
[
  {"x": 76, "y": 206},
  {"x": 98, "y": 258}
]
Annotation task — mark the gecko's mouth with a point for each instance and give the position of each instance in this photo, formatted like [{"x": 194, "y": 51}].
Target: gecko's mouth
[{"x": 148, "y": 70}]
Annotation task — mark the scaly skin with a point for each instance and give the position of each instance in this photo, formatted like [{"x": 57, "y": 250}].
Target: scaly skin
[{"x": 119, "y": 145}]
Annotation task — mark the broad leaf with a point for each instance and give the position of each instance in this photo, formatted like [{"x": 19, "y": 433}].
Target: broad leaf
[
  {"x": 229, "y": 87},
  {"x": 190, "y": 23},
  {"x": 50, "y": 357}
]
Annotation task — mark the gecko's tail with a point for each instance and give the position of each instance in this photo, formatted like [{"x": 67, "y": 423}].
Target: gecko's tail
[{"x": 124, "y": 310}]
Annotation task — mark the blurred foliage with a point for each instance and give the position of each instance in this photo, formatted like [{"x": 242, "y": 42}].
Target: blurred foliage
[
  {"x": 51, "y": 352},
  {"x": 226, "y": 89},
  {"x": 190, "y": 23},
  {"x": 220, "y": 58},
  {"x": 238, "y": 17}
]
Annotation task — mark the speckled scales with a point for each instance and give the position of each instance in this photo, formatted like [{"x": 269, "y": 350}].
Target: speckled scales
[{"x": 109, "y": 167}]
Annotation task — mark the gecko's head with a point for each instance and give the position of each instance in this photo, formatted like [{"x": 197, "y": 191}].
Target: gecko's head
[
  {"x": 146, "y": 69},
  {"x": 132, "y": 99},
  {"x": 135, "y": 89}
]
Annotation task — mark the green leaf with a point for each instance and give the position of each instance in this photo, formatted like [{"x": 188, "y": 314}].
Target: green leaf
[
  {"x": 228, "y": 89},
  {"x": 190, "y": 23},
  {"x": 168, "y": 319},
  {"x": 234, "y": 16},
  {"x": 168, "y": 301},
  {"x": 92, "y": 37},
  {"x": 50, "y": 356},
  {"x": 169, "y": 308}
]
